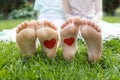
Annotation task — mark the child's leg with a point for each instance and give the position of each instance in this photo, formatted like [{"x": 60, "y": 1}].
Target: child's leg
[
  {"x": 26, "y": 38},
  {"x": 48, "y": 37},
  {"x": 92, "y": 36},
  {"x": 68, "y": 36}
]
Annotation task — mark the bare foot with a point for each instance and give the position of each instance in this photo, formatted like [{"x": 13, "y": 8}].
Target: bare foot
[
  {"x": 68, "y": 36},
  {"x": 92, "y": 36},
  {"x": 26, "y": 38},
  {"x": 48, "y": 37}
]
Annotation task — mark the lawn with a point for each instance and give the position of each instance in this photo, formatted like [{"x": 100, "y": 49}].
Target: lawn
[{"x": 39, "y": 67}]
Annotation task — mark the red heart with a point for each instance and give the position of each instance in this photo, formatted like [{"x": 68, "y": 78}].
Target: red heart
[
  {"x": 69, "y": 41},
  {"x": 49, "y": 43}
]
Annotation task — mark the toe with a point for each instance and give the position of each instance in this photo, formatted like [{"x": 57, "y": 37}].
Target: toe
[
  {"x": 26, "y": 24},
  {"x": 78, "y": 21},
  {"x": 69, "y": 21},
  {"x": 89, "y": 23},
  {"x": 20, "y": 27},
  {"x": 98, "y": 29},
  {"x": 49, "y": 24},
  {"x": 45, "y": 22},
  {"x": 18, "y": 30},
  {"x": 38, "y": 24},
  {"x": 63, "y": 25},
  {"x": 94, "y": 25},
  {"x": 32, "y": 24}
]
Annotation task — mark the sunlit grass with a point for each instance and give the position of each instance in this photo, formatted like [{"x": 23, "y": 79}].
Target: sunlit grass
[
  {"x": 112, "y": 19},
  {"x": 9, "y": 24},
  {"x": 13, "y": 66}
]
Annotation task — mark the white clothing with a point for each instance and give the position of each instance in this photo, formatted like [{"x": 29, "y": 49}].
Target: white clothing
[
  {"x": 109, "y": 30},
  {"x": 46, "y": 7},
  {"x": 82, "y": 8},
  {"x": 50, "y": 10},
  {"x": 8, "y": 35}
]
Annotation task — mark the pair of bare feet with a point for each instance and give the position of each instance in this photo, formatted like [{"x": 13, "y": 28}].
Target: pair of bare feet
[{"x": 47, "y": 33}]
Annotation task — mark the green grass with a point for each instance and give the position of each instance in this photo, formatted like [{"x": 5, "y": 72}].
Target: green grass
[
  {"x": 112, "y": 19},
  {"x": 39, "y": 67},
  {"x": 8, "y": 24}
]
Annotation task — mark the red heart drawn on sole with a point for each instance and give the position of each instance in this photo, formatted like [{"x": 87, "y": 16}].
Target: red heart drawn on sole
[
  {"x": 69, "y": 41},
  {"x": 49, "y": 43}
]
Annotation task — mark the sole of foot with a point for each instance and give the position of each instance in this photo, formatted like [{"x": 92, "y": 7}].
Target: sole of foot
[
  {"x": 26, "y": 38},
  {"x": 93, "y": 38},
  {"x": 48, "y": 36},
  {"x": 68, "y": 34}
]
